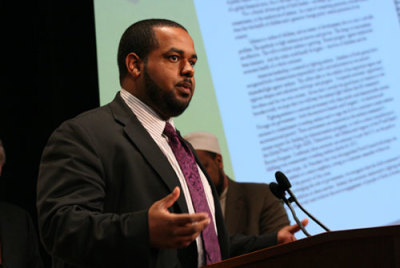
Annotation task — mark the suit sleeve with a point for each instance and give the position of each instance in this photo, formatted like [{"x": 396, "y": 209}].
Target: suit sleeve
[
  {"x": 242, "y": 244},
  {"x": 71, "y": 195}
]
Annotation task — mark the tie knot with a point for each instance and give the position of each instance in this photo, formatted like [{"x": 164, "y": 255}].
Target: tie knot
[{"x": 169, "y": 131}]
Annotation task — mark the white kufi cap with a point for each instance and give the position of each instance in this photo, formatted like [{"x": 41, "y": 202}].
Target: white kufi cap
[{"x": 203, "y": 141}]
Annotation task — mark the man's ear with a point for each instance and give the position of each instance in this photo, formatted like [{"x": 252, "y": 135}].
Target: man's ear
[
  {"x": 134, "y": 64},
  {"x": 218, "y": 160}
]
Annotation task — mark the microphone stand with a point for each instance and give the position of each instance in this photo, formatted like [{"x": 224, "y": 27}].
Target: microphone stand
[
  {"x": 279, "y": 192},
  {"x": 287, "y": 202},
  {"x": 293, "y": 198},
  {"x": 285, "y": 185}
]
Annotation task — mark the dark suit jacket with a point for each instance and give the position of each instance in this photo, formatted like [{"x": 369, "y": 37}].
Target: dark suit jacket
[
  {"x": 18, "y": 238},
  {"x": 252, "y": 209},
  {"x": 100, "y": 173}
]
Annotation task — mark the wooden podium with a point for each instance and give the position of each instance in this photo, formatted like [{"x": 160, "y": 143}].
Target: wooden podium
[{"x": 371, "y": 247}]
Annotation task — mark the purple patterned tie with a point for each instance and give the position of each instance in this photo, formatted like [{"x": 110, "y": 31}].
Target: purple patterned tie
[{"x": 188, "y": 166}]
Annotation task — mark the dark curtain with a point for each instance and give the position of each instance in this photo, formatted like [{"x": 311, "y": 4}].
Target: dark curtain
[{"x": 49, "y": 74}]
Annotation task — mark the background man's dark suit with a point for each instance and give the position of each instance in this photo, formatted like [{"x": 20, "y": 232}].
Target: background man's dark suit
[
  {"x": 252, "y": 209},
  {"x": 19, "y": 243},
  {"x": 100, "y": 173}
]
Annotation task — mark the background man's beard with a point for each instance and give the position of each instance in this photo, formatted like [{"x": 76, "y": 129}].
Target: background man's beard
[
  {"x": 220, "y": 186},
  {"x": 166, "y": 102}
]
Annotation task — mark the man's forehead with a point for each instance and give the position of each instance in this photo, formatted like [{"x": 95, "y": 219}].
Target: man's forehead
[
  {"x": 169, "y": 30},
  {"x": 173, "y": 37}
]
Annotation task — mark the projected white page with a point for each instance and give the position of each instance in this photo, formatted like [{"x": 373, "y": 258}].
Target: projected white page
[{"x": 311, "y": 88}]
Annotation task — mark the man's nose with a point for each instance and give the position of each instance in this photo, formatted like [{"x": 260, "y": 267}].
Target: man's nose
[{"x": 187, "y": 69}]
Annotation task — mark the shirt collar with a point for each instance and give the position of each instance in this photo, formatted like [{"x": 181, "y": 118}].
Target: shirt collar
[{"x": 151, "y": 121}]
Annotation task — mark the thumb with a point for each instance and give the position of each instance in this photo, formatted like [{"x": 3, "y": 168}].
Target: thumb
[{"x": 170, "y": 199}]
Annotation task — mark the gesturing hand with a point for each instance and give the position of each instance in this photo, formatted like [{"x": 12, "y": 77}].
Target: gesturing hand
[
  {"x": 286, "y": 234},
  {"x": 170, "y": 230}
]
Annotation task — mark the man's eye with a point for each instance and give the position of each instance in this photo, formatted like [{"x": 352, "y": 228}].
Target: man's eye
[
  {"x": 193, "y": 63},
  {"x": 173, "y": 58}
]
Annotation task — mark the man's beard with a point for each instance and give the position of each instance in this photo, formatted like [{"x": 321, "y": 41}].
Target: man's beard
[
  {"x": 166, "y": 102},
  {"x": 221, "y": 181}
]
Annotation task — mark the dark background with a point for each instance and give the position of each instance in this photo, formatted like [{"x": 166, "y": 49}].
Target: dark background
[{"x": 48, "y": 74}]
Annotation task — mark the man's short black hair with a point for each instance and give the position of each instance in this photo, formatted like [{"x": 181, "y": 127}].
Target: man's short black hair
[{"x": 140, "y": 39}]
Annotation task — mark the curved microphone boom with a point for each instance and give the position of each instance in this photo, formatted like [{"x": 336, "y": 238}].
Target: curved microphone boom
[
  {"x": 279, "y": 192},
  {"x": 285, "y": 185}
]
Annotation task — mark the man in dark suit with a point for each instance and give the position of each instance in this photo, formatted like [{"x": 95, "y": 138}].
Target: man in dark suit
[
  {"x": 111, "y": 191},
  {"x": 248, "y": 208},
  {"x": 19, "y": 247}
]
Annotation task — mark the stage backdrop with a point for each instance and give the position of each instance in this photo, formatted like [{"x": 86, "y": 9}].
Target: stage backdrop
[{"x": 311, "y": 88}]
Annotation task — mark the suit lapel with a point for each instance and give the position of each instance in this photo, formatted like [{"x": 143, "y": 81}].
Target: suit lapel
[{"x": 147, "y": 146}]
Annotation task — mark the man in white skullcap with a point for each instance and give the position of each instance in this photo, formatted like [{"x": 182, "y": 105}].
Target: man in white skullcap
[{"x": 248, "y": 208}]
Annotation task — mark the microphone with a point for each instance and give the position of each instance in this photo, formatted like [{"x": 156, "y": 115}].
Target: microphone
[
  {"x": 279, "y": 192},
  {"x": 285, "y": 185}
]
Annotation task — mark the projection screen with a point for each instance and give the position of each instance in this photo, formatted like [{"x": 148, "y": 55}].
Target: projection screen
[{"x": 310, "y": 88}]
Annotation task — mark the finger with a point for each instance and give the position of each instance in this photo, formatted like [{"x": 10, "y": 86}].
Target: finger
[
  {"x": 170, "y": 199},
  {"x": 186, "y": 235},
  {"x": 183, "y": 219},
  {"x": 295, "y": 227},
  {"x": 192, "y": 228}
]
